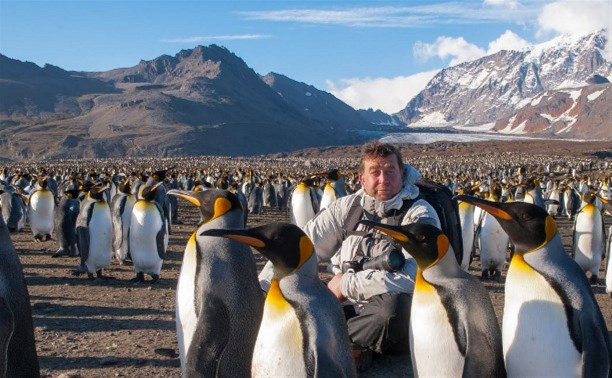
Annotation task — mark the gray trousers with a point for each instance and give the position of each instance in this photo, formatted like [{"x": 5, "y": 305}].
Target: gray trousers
[{"x": 382, "y": 324}]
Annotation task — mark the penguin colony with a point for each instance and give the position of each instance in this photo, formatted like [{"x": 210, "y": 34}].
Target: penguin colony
[{"x": 100, "y": 215}]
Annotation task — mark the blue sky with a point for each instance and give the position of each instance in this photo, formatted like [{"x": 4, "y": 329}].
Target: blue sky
[{"x": 369, "y": 53}]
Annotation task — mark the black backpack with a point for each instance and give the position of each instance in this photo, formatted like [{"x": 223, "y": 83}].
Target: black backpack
[{"x": 439, "y": 197}]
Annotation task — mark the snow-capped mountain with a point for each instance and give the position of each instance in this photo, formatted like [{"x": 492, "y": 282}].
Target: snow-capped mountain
[{"x": 495, "y": 86}]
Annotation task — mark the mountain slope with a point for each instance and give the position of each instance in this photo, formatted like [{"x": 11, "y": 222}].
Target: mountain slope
[
  {"x": 200, "y": 101},
  {"x": 319, "y": 106},
  {"x": 490, "y": 88},
  {"x": 576, "y": 112}
]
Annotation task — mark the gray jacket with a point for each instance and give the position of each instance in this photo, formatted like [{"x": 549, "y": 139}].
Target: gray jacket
[{"x": 326, "y": 232}]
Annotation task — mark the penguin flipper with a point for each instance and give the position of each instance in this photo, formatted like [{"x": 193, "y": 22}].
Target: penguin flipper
[
  {"x": 83, "y": 243},
  {"x": 159, "y": 239},
  {"x": 596, "y": 349},
  {"x": 7, "y": 327},
  {"x": 209, "y": 340}
]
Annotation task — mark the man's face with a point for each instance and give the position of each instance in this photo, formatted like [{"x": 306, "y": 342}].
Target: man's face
[{"x": 381, "y": 177}]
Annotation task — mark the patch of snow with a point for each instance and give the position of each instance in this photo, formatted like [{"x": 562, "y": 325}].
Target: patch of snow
[
  {"x": 574, "y": 95},
  {"x": 306, "y": 109},
  {"x": 548, "y": 117},
  {"x": 594, "y": 95},
  {"x": 308, "y": 94},
  {"x": 536, "y": 100},
  {"x": 431, "y": 120}
]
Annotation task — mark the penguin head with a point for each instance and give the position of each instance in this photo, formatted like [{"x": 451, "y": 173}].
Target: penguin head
[
  {"x": 97, "y": 192},
  {"x": 286, "y": 245},
  {"x": 528, "y": 226},
  {"x": 160, "y": 175},
  {"x": 425, "y": 242},
  {"x": 43, "y": 182},
  {"x": 126, "y": 186},
  {"x": 213, "y": 203},
  {"x": 147, "y": 193}
]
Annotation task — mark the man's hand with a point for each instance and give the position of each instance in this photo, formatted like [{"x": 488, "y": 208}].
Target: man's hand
[{"x": 335, "y": 287}]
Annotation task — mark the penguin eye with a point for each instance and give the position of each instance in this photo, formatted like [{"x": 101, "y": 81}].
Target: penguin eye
[{"x": 420, "y": 238}]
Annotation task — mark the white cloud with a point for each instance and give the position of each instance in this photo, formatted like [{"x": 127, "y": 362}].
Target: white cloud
[
  {"x": 212, "y": 38},
  {"x": 575, "y": 17},
  {"x": 401, "y": 17},
  {"x": 508, "y": 41},
  {"x": 447, "y": 47},
  {"x": 388, "y": 95},
  {"x": 512, "y": 4}
]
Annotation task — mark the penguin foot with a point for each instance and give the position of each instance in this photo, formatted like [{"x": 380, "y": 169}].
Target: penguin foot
[
  {"x": 484, "y": 275},
  {"x": 139, "y": 278},
  {"x": 48, "y": 237},
  {"x": 154, "y": 278},
  {"x": 102, "y": 276},
  {"x": 60, "y": 253},
  {"x": 90, "y": 276},
  {"x": 77, "y": 272},
  {"x": 496, "y": 276},
  {"x": 594, "y": 280},
  {"x": 38, "y": 238}
]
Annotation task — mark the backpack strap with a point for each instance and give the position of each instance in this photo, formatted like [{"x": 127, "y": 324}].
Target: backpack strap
[{"x": 355, "y": 214}]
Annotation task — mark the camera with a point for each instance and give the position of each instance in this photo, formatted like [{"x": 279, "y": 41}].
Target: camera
[{"x": 391, "y": 261}]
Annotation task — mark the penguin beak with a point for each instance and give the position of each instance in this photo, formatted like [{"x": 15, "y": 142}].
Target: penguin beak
[
  {"x": 488, "y": 206},
  {"x": 605, "y": 201},
  {"x": 389, "y": 230},
  {"x": 242, "y": 236},
  {"x": 154, "y": 188},
  {"x": 185, "y": 195}
]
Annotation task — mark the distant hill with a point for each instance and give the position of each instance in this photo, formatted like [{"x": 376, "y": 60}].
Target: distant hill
[{"x": 201, "y": 101}]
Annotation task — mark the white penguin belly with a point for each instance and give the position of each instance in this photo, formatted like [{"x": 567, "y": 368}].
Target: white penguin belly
[
  {"x": 609, "y": 264},
  {"x": 301, "y": 207},
  {"x": 145, "y": 223},
  {"x": 42, "y": 212},
  {"x": 186, "y": 319},
  {"x": 588, "y": 239},
  {"x": 329, "y": 196},
  {"x": 493, "y": 244},
  {"x": 432, "y": 343},
  {"x": 279, "y": 350},
  {"x": 466, "y": 217},
  {"x": 536, "y": 339},
  {"x": 100, "y": 238}
]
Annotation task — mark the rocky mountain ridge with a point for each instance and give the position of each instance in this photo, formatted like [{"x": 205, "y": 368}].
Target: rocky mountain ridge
[{"x": 494, "y": 87}]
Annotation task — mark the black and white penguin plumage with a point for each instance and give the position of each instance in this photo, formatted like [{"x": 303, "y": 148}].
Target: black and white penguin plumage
[
  {"x": 219, "y": 302},
  {"x": 303, "y": 330},
  {"x": 549, "y": 306}
]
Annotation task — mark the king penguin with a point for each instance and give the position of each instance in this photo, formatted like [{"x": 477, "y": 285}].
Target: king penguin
[
  {"x": 13, "y": 212},
  {"x": 552, "y": 325},
  {"x": 94, "y": 230},
  {"x": 121, "y": 211},
  {"x": 41, "y": 210},
  {"x": 303, "y": 331},
  {"x": 589, "y": 237},
  {"x": 18, "y": 356},
  {"x": 334, "y": 188},
  {"x": 218, "y": 298},
  {"x": 304, "y": 203},
  {"x": 148, "y": 234},
  {"x": 467, "y": 220},
  {"x": 493, "y": 242},
  {"x": 452, "y": 314},
  {"x": 65, "y": 221}
]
